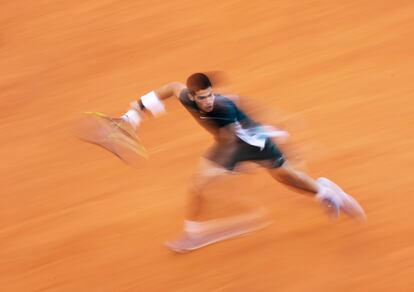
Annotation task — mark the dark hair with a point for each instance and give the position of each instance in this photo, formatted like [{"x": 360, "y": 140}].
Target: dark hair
[{"x": 198, "y": 81}]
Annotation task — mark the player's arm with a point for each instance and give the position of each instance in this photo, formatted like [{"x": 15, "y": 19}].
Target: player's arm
[
  {"x": 169, "y": 90},
  {"x": 258, "y": 112},
  {"x": 151, "y": 102},
  {"x": 261, "y": 112}
]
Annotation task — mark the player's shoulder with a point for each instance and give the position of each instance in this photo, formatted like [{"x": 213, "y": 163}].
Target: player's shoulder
[
  {"x": 184, "y": 95},
  {"x": 186, "y": 101},
  {"x": 224, "y": 101}
]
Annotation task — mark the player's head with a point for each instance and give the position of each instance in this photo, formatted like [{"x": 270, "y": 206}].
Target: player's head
[
  {"x": 198, "y": 81},
  {"x": 201, "y": 91}
]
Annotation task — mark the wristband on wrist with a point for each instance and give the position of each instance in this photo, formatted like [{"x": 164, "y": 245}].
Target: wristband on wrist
[
  {"x": 141, "y": 105},
  {"x": 132, "y": 117},
  {"x": 151, "y": 102}
]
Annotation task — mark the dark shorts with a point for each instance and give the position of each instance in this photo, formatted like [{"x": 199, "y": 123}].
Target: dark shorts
[{"x": 228, "y": 156}]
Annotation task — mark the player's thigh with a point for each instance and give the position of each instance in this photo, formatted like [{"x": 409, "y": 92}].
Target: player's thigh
[{"x": 207, "y": 172}]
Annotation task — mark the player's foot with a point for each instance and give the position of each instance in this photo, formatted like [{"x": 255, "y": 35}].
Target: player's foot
[
  {"x": 346, "y": 202},
  {"x": 188, "y": 242},
  {"x": 332, "y": 207},
  {"x": 329, "y": 199}
]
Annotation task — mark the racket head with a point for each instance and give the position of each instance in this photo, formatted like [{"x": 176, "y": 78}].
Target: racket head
[{"x": 102, "y": 130}]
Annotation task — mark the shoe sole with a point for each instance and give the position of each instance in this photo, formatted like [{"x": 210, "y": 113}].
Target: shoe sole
[{"x": 218, "y": 237}]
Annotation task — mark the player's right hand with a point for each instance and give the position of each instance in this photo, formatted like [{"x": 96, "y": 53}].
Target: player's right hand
[{"x": 132, "y": 117}]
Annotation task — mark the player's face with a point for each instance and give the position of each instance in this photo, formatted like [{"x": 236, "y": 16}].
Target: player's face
[{"x": 205, "y": 99}]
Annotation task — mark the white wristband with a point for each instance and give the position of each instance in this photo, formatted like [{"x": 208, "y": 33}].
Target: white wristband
[
  {"x": 152, "y": 103},
  {"x": 132, "y": 117}
]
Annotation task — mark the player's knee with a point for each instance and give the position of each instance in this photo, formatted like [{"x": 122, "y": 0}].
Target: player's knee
[
  {"x": 194, "y": 190},
  {"x": 279, "y": 162},
  {"x": 205, "y": 177},
  {"x": 197, "y": 185},
  {"x": 285, "y": 174}
]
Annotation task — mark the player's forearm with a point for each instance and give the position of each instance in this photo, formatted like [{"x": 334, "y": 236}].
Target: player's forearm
[
  {"x": 169, "y": 90},
  {"x": 151, "y": 102}
]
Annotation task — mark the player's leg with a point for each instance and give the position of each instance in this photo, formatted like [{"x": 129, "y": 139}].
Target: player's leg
[
  {"x": 197, "y": 232},
  {"x": 325, "y": 191},
  {"x": 299, "y": 180},
  {"x": 302, "y": 182},
  {"x": 206, "y": 174}
]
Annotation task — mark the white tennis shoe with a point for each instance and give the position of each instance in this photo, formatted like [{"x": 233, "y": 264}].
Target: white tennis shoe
[{"x": 347, "y": 203}]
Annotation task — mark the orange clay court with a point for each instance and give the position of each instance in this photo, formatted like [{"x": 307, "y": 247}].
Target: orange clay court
[{"x": 74, "y": 218}]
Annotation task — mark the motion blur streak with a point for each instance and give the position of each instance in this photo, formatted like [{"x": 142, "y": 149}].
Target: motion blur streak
[{"x": 75, "y": 218}]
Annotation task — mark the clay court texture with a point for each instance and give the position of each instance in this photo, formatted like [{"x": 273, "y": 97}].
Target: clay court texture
[{"x": 73, "y": 217}]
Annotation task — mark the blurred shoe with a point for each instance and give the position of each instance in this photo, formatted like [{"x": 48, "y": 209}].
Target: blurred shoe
[
  {"x": 189, "y": 242},
  {"x": 332, "y": 207},
  {"x": 329, "y": 199},
  {"x": 346, "y": 202}
]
